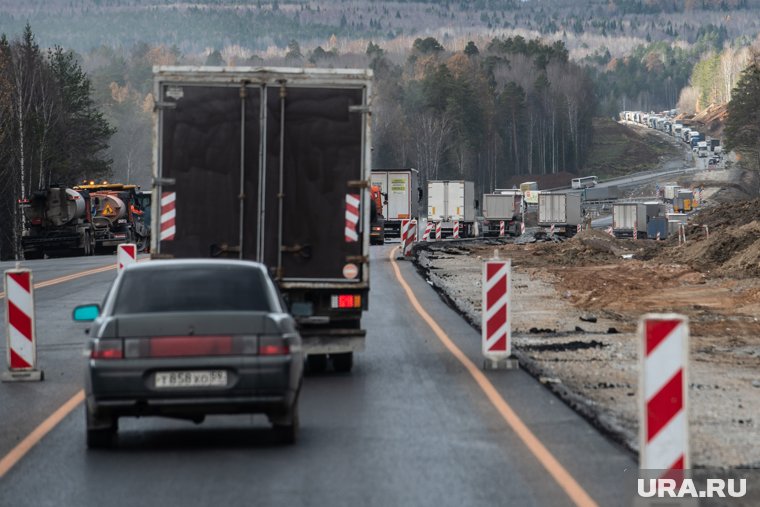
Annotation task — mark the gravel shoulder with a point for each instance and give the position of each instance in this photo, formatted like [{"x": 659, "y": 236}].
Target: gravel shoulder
[{"x": 576, "y": 305}]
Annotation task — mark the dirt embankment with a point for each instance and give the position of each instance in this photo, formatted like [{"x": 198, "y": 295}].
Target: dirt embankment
[{"x": 576, "y": 305}]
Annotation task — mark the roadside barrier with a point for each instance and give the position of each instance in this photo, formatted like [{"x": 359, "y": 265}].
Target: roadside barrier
[
  {"x": 551, "y": 229},
  {"x": 410, "y": 238},
  {"x": 658, "y": 236},
  {"x": 126, "y": 254},
  {"x": 455, "y": 234},
  {"x": 502, "y": 231},
  {"x": 579, "y": 228},
  {"x": 496, "y": 310},
  {"x": 610, "y": 231},
  {"x": 404, "y": 231},
  {"x": 522, "y": 227},
  {"x": 438, "y": 230},
  {"x": 428, "y": 229},
  {"x": 635, "y": 230},
  {"x": 20, "y": 327},
  {"x": 663, "y": 388}
]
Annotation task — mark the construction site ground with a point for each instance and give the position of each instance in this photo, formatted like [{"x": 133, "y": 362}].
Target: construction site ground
[{"x": 576, "y": 305}]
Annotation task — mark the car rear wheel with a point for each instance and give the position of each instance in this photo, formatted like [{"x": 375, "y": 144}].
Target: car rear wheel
[
  {"x": 343, "y": 362},
  {"x": 316, "y": 363},
  {"x": 287, "y": 433},
  {"x": 101, "y": 432}
]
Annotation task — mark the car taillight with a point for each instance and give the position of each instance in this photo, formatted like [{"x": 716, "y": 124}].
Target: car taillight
[
  {"x": 346, "y": 301},
  {"x": 107, "y": 349},
  {"x": 273, "y": 346}
]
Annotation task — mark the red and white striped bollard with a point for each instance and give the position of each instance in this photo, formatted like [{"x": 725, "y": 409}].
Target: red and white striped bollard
[
  {"x": 455, "y": 233},
  {"x": 496, "y": 323},
  {"x": 410, "y": 238},
  {"x": 428, "y": 229},
  {"x": 663, "y": 389},
  {"x": 126, "y": 255},
  {"x": 502, "y": 229},
  {"x": 438, "y": 231},
  {"x": 20, "y": 330}
]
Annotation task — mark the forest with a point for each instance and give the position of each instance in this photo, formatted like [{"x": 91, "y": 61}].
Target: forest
[
  {"x": 50, "y": 129},
  {"x": 484, "y": 90}
]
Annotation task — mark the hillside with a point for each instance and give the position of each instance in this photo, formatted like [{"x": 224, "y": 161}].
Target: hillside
[{"x": 618, "y": 150}]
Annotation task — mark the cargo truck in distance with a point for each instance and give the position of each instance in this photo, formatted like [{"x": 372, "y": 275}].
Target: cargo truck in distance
[
  {"x": 630, "y": 216},
  {"x": 272, "y": 165},
  {"x": 453, "y": 201},
  {"x": 561, "y": 210},
  {"x": 502, "y": 205},
  {"x": 402, "y": 197},
  {"x": 118, "y": 215},
  {"x": 57, "y": 221}
]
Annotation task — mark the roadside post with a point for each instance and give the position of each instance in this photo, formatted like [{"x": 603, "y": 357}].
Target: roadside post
[
  {"x": 428, "y": 229},
  {"x": 522, "y": 228},
  {"x": 496, "y": 322},
  {"x": 635, "y": 230},
  {"x": 501, "y": 229},
  {"x": 663, "y": 389},
  {"x": 438, "y": 231},
  {"x": 20, "y": 332},
  {"x": 411, "y": 237},
  {"x": 126, "y": 255},
  {"x": 455, "y": 234}
]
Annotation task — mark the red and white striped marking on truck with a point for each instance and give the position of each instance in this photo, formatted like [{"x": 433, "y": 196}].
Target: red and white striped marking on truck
[
  {"x": 168, "y": 216},
  {"x": 352, "y": 217},
  {"x": 663, "y": 387}
]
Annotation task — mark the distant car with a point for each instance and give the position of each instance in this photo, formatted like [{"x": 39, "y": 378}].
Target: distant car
[{"x": 188, "y": 338}]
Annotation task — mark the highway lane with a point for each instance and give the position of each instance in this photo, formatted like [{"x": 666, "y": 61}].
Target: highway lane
[
  {"x": 407, "y": 427},
  {"x": 60, "y": 341}
]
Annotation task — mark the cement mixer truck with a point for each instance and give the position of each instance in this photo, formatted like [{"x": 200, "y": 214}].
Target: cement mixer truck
[
  {"x": 117, "y": 216},
  {"x": 58, "y": 221}
]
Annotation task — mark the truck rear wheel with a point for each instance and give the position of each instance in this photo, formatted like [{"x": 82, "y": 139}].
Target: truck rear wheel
[{"x": 343, "y": 362}]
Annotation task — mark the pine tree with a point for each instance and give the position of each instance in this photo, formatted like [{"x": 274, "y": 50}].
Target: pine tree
[{"x": 742, "y": 130}]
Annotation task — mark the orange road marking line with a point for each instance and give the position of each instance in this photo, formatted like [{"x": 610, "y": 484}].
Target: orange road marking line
[
  {"x": 18, "y": 452},
  {"x": 563, "y": 478}
]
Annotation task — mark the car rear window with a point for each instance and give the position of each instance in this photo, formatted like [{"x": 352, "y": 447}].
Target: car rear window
[{"x": 192, "y": 289}]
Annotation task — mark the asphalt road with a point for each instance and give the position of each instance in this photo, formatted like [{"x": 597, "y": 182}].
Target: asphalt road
[{"x": 408, "y": 426}]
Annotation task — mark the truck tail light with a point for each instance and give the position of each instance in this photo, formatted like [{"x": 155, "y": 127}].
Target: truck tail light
[
  {"x": 346, "y": 301},
  {"x": 107, "y": 349},
  {"x": 273, "y": 346}
]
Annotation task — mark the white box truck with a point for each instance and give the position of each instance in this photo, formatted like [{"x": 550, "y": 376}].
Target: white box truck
[
  {"x": 453, "y": 201},
  {"x": 504, "y": 205},
  {"x": 562, "y": 210},
  {"x": 271, "y": 165},
  {"x": 402, "y": 197}
]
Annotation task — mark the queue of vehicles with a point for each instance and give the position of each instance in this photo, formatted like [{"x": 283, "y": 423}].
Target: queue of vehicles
[{"x": 84, "y": 219}]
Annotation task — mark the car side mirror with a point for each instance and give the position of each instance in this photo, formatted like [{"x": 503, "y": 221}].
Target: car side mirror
[{"x": 86, "y": 313}]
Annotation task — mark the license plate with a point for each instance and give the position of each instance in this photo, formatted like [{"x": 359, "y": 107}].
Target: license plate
[{"x": 201, "y": 378}]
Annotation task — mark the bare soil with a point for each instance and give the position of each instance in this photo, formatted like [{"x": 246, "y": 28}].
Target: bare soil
[{"x": 576, "y": 305}]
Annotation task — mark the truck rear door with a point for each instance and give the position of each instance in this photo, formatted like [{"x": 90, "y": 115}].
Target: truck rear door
[
  {"x": 399, "y": 195},
  {"x": 208, "y": 170},
  {"x": 436, "y": 201},
  {"x": 315, "y": 181},
  {"x": 456, "y": 200}
]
